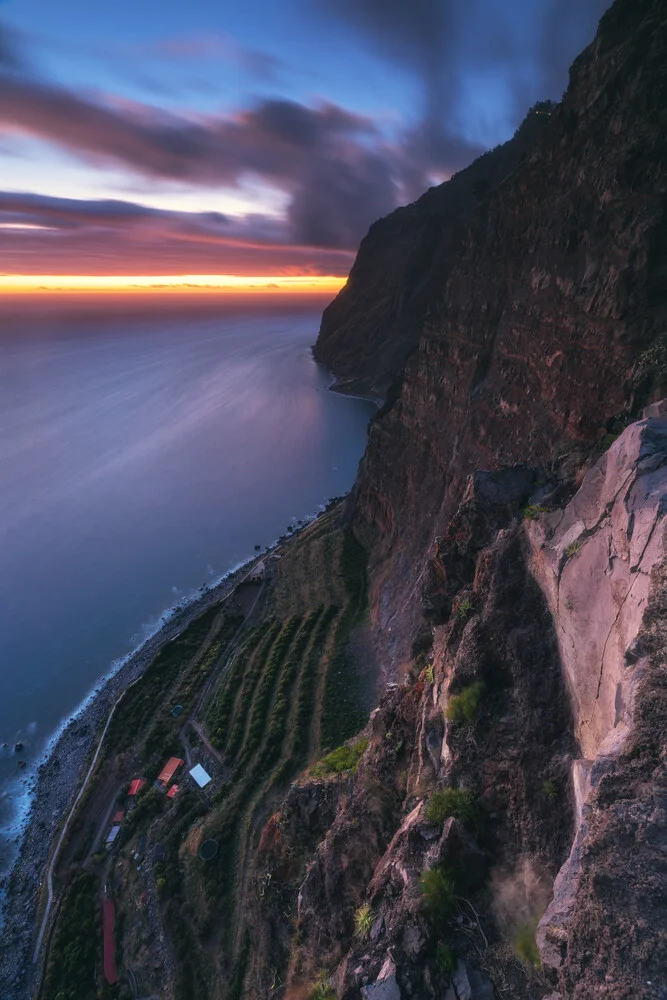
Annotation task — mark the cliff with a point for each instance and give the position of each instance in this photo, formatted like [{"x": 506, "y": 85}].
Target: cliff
[
  {"x": 395, "y": 286},
  {"x": 545, "y": 319},
  {"x": 516, "y": 777}
]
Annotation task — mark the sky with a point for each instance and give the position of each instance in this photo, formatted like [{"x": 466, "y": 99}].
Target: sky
[{"x": 150, "y": 141}]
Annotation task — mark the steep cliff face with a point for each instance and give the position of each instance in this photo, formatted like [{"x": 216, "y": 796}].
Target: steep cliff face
[
  {"x": 555, "y": 291},
  {"x": 498, "y": 780},
  {"x": 396, "y": 283}
]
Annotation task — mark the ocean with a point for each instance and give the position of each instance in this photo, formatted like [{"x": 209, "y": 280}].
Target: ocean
[{"x": 144, "y": 452}]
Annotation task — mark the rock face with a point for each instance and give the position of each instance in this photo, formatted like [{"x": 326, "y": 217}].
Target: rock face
[
  {"x": 601, "y": 564},
  {"x": 527, "y": 319},
  {"x": 544, "y": 321},
  {"x": 395, "y": 285}
]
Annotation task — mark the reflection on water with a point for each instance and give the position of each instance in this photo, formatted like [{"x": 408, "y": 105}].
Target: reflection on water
[{"x": 139, "y": 459}]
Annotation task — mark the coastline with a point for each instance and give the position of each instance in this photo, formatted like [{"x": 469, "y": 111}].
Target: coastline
[{"x": 56, "y": 781}]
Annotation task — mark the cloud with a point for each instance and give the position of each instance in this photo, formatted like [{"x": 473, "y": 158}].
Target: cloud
[
  {"x": 217, "y": 47},
  {"x": 292, "y": 146},
  {"x": 44, "y": 235},
  {"x": 475, "y": 60}
]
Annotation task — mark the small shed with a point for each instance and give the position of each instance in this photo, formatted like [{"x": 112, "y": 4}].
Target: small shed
[
  {"x": 172, "y": 791},
  {"x": 200, "y": 775},
  {"x": 113, "y": 833},
  {"x": 177, "y": 710},
  {"x": 136, "y": 786},
  {"x": 169, "y": 769},
  {"x": 118, "y": 816},
  {"x": 258, "y": 573}
]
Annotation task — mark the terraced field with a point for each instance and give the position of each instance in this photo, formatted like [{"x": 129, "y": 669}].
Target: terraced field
[
  {"x": 268, "y": 699},
  {"x": 289, "y": 693}
]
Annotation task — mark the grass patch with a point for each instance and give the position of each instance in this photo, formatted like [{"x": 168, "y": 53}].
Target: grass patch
[
  {"x": 532, "y": 511},
  {"x": 524, "y": 945},
  {"x": 437, "y": 886},
  {"x": 457, "y": 802},
  {"x": 464, "y": 609},
  {"x": 321, "y": 989},
  {"x": 345, "y": 758},
  {"x": 364, "y": 919},
  {"x": 444, "y": 957},
  {"x": 463, "y": 707},
  {"x": 549, "y": 789}
]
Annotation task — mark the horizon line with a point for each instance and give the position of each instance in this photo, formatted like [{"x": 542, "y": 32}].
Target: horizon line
[{"x": 302, "y": 283}]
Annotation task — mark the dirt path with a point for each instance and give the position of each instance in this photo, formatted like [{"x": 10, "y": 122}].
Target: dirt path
[{"x": 68, "y": 820}]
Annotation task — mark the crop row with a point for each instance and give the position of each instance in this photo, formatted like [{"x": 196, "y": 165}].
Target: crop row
[
  {"x": 306, "y": 699},
  {"x": 264, "y": 693},
  {"x": 281, "y": 705},
  {"x": 249, "y": 684},
  {"x": 220, "y": 711}
]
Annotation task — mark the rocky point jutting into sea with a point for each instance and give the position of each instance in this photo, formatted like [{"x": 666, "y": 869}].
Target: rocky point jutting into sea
[{"x": 437, "y": 743}]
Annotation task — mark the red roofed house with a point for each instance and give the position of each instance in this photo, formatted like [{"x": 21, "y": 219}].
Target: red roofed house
[
  {"x": 136, "y": 786},
  {"x": 172, "y": 791},
  {"x": 118, "y": 816},
  {"x": 169, "y": 770},
  {"x": 108, "y": 920}
]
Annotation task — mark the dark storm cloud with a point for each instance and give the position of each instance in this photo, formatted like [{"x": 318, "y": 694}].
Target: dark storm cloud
[
  {"x": 295, "y": 147},
  {"x": 41, "y": 234}
]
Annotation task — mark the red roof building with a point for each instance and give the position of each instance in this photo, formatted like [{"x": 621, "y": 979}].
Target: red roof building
[
  {"x": 118, "y": 816},
  {"x": 136, "y": 786},
  {"x": 108, "y": 921},
  {"x": 168, "y": 771},
  {"x": 172, "y": 791}
]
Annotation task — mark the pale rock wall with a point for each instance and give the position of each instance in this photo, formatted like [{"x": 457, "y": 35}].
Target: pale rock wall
[{"x": 594, "y": 561}]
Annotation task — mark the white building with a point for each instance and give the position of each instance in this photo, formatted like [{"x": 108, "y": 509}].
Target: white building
[{"x": 200, "y": 775}]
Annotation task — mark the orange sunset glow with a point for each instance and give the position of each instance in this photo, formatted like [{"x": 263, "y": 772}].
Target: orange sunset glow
[{"x": 22, "y": 283}]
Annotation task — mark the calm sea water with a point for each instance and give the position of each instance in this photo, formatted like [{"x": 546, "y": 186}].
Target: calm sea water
[{"x": 141, "y": 457}]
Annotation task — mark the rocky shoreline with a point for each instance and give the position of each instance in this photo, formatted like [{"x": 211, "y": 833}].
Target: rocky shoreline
[{"x": 55, "y": 784}]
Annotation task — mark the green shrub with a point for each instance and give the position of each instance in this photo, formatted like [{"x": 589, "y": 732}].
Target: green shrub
[
  {"x": 463, "y": 707},
  {"x": 322, "y": 988},
  {"x": 447, "y": 802},
  {"x": 533, "y": 510},
  {"x": 363, "y": 921},
  {"x": 345, "y": 758},
  {"x": 572, "y": 549},
  {"x": 438, "y": 890},
  {"x": 524, "y": 945},
  {"x": 76, "y": 941},
  {"x": 429, "y": 674},
  {"x": 444, "y": 956},
  {"x": 464, "y": 609},
  {"x": 549, "y": 789}
]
